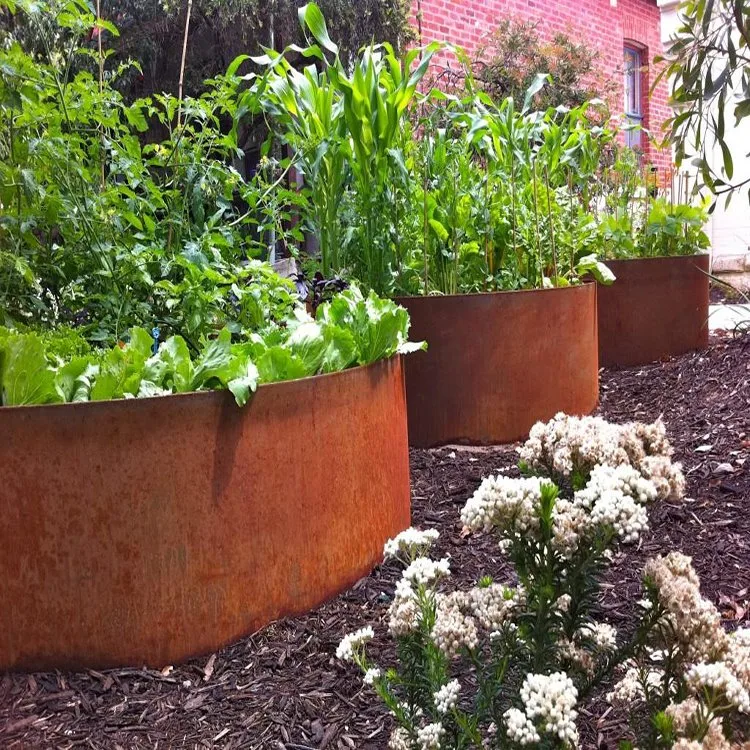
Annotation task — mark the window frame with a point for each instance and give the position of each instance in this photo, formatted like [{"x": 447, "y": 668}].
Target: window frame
[{"x": 632, "y": 91}]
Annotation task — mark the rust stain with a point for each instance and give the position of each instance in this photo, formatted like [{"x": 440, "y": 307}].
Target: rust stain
[
  {"x": 499, "y": 362},
  {"x": 149, "y": 531},
  {"x": 657, "y": 308}
]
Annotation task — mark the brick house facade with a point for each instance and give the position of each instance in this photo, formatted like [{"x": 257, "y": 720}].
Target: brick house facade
[{"x": 609, "y": 26}]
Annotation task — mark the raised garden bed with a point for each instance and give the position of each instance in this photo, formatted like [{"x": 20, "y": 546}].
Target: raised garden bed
[
  {"x": 146, "y": 531},
  {"x": 499, "y": 362},
  {"x": 657, "y": 308},
  {"x": 284, "y": 687}
]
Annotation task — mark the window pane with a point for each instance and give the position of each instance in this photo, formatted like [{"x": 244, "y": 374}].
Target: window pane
[{"x": 632, "y": 59}]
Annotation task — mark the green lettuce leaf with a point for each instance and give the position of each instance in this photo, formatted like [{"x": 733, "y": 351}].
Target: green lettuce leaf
[{"x": 25, "y": 375}]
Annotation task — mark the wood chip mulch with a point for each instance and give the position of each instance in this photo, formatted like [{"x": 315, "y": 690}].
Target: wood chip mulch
[{"x": 283, "y": 689}]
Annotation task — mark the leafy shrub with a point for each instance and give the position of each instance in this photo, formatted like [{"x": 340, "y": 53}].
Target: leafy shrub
[
  {"x": 510, "y": 664},
  {"x": 515, "y": 54}
]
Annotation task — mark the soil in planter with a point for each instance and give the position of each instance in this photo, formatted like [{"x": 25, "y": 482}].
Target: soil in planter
[{"x": 284, "y": 689}]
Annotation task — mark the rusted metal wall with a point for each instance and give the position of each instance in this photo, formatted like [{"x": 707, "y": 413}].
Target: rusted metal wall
[
  {"x": 147, "y": 531},
  {"x": 657, "y": 308},
  {"x": 499, "y": 362}
]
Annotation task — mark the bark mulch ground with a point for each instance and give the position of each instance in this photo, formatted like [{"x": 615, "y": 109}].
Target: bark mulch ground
[{"x": 283, "y": 688}]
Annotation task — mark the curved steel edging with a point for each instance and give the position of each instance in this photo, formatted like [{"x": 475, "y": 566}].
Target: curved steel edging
[
  {"x": 499, "y": 362},
  {"x": 148, "y": 531},
  {"x": 657, "y": 308}
]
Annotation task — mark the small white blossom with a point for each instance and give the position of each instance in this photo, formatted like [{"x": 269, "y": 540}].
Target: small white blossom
[
  {"x": 399, "y": 740},
  {"x": 410, "y": 544},
  {"x": 351, "y": 643},
  {"x": 520, "y": 728},
  {"x": 601, "y": 634},
  {"x": 550, "y": 700},
  {"x": 453, "y": 629},
  {"x": 424, "y": 571},
  {"x": 630, "y": 689},
  {"x": 718, "y": 677},
  {"x": 372, "y": 675},
  {"x": 429, "y": 736},
  {"x": 446, "y": 697}
]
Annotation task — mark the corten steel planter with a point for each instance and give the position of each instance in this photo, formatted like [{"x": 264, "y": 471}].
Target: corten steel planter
[
  {"x": 151, "y": 530},
  {"x": 499, "y": 362},
  {"x": 657, "y": 308}
]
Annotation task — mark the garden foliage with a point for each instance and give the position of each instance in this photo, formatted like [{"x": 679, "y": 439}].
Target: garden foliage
[
  {"x": 512, "y": 663},
  {"x": 349, "y": 330},
  {"x": 708, "y": 64}
]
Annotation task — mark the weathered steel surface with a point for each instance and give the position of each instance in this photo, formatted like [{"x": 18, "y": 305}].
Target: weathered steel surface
[
  {"x": 657, "y": 308},
  {"x": 147, "y": 531},
  {"x": 499, "y": 362}
]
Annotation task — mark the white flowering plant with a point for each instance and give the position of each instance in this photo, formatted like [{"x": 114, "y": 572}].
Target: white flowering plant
[{"x": 509, "y": 664}]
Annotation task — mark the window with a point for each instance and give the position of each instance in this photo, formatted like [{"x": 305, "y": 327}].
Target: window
[{"x": 633, "y": 100}]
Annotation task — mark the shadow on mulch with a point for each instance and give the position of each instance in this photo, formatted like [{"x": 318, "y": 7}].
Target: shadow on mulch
[{"x": 283, "y": 688}]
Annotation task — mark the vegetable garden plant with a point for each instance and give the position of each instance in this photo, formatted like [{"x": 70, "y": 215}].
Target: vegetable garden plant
[{"x": 129, "y": 264}]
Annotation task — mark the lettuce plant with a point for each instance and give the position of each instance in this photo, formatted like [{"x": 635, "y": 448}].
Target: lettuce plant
[
  {"x": 349, "y": 330},
  {"x": 509, "y": 664}
]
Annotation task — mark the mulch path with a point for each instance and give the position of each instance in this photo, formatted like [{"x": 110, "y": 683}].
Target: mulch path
[{"x": 283, "y": 689}]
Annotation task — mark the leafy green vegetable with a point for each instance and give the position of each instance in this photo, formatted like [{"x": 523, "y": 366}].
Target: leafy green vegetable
[
  {"x": 25, "y": 375},
  {"x": 350, "y": 329}
]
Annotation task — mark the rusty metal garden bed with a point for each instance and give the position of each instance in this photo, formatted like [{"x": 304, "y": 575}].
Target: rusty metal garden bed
[
  {"x": 147, "y": 531},
  {"x": 499, "y": 362},
  {"x": 657, "y": 308}
]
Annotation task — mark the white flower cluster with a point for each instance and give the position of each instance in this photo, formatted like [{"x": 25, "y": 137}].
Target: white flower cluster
[
  {"x": 567, "y": 444},
  {"x": 446, "y": 697},
  {"x": 372, "y": 675},
  {"x": 737, "y": 655},
  {"x": 492, "y": 605},
  {"x": 549, "y": 702},
  {"x": 453, "y": 629},
  {"x": 404, "y": 614},
  {"x": 694, "y": 621},
  {"x": 505, "y": 503},
  {"x": 410, "y": 544},
  {"x": 575, "y": 445},
  {"x": 399, "y": 740},
  {"x": 718, "y": 677},
  {"x": 424, "y": 571},
  {"x": 623, "y": 479},
  {"x": 429, "y": 736},
  {"x": 614, "y": 496},
  {"x": 630, "y": 689},
  {"x": 601, "y": 635},
  {"x": 353, "y": 642},
  {"x": 520, "y": 728},
  {"x": 684, "y": 717}
]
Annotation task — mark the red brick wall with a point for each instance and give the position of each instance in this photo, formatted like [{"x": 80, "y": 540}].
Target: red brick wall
[{"x": 605, "y": 28}]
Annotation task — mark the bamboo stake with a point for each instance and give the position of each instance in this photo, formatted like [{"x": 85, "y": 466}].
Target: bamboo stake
[
  {"x": 182, "y": 62},
  {"x": 536, "y": 221},
  {"x": 551, "y": 225},
  {"x": 426, "y": 227},
  {"x": 101, "y": 87}
]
